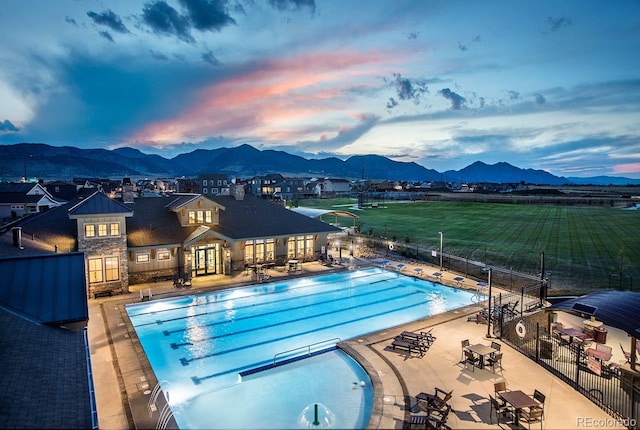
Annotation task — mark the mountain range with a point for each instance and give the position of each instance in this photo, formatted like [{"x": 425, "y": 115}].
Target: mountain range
[{"x": 244, "y": 161}]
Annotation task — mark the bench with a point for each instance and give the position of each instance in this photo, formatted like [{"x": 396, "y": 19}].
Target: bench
[{"x": 104, "y": 293}]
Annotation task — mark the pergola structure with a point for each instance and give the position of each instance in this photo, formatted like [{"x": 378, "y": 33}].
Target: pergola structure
[{"x": 319, "y": 213}]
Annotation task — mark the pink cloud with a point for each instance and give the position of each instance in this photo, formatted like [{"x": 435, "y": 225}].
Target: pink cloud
[
  {"x": 288, "y": 91},
  {"x": 626, "y": 168}
]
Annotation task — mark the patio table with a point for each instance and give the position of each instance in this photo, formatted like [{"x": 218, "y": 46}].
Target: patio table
[
  {"x": 601, "y": 355},
  {"x": 518, "y": 399},
  {"x": 482, "y": 350},
  {"x": 572, "y": 332}
]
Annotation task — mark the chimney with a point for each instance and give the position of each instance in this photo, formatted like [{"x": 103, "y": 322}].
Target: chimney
[
  {"x": 237, "y": 191},
  {"x": 17, "y": 237}
]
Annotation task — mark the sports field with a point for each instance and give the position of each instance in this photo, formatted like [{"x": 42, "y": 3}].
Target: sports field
[{"x": 585, "y": 248}]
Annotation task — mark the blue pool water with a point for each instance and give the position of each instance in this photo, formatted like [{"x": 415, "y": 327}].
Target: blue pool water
[{"x": 201, "y": 345}]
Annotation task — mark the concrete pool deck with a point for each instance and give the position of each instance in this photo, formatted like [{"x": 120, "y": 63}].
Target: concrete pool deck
[{"x": 124, "y": 380}]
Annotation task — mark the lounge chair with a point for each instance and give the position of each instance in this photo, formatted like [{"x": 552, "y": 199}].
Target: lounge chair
[
  {"x": 410, "y": 347},
  {"x": 424, "y": 337}
]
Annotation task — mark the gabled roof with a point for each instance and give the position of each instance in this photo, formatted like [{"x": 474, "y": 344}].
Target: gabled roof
[
  {"x": 153, "y": 223},
  {"x": 254, "y": 217},
  {"x": 618, "y": 309},
  {"x": 99, "y": 204},
  {"x": 16, "y": 187}
]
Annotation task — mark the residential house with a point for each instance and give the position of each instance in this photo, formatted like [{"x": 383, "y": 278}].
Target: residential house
[
  {"x": 335, "y": 186},
  {"x": 24, "y": 198},
  {"x": 214, "y": 184}
]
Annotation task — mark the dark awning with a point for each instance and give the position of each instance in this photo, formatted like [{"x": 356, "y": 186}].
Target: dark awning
[{"x": 619, "y": 309}]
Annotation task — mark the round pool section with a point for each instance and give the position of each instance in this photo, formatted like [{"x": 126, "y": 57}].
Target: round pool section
[{"x": 202, "y": 345}]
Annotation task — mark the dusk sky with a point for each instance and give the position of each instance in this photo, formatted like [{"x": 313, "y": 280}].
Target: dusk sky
[{"x": 551, "y": 85}]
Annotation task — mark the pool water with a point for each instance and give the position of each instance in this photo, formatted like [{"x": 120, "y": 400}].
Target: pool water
[{"x": 201, "y": 345}]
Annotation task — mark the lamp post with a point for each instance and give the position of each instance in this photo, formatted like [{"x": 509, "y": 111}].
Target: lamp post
[
  {"x": 440, "y": 249},
  {"x": 489, "y": 308}
]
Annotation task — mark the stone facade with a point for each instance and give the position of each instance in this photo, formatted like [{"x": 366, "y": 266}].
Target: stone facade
[{"x": 107, "y": 247}]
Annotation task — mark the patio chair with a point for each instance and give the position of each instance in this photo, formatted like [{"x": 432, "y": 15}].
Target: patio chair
[
  {"x": 540, "y": 398},
  {"x": 429, "y": 421},
  {"x": 437, "y": 400},
  {"x": 495, "y": 360},
  {"x": 501, "y": 409},
  {"x": 531, "y": 416},
  {"x": 465, "y": 344},
  {"x": 627, "y": 355},
  {"x": 471, "y": 359},
  {"x": 499, "y": 387}
]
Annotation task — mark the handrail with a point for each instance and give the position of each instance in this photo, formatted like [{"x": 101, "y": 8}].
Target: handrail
[{"x": 303, "y": 347}]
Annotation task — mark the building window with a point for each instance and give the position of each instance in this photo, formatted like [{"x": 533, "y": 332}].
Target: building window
[
  {"x": 114, "y": 229},
  {"x": 259, "y": 251},
  {"x": 205, "y": 191},
  {"x": 269, "y": 250},
  {"x": 214, "y": 191},
  {"x": 192, "y": 217},
  {"x": 309, "y": 248},
  {"x": 248, "y": 251},
  {"x": 102, "y": 230},
  {"x": 300, "y": 247},
  {"x": 95, "y": 270},
  {"x": 89, "y": 230},
  {"x": 142, "y": 258},
  {"x": 163, "y": 255},
  {"x": 204, "y": 182},
  {"x": 291, "y": 247},
  {"x": 219, "y": 182},
  {"x": 200, "y": 217},
  {"x": 111, "y": 269},
  {"x": 208, "y": 217}
]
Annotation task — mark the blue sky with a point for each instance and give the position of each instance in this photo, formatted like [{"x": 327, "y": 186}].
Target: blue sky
[{"x": 539, "y": 84}]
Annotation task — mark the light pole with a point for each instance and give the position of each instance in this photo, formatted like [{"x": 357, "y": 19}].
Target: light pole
[
  {"x": 440, "y": 249},
  {"x": 489, "y": 308}
]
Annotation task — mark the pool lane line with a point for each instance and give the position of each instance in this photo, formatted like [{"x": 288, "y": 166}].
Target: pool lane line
[
  {"x": 274, "y": 312},
  {"x": 185, "y": 361},
  {"x": 197, "y": 379},
  {"x": 357, "y": 278},
  {"x": 255, "y": 305}
]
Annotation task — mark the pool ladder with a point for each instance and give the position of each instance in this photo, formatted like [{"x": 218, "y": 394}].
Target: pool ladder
[
  {"x": 165, "y": 413},
  {"x": 307, "y": 347}
]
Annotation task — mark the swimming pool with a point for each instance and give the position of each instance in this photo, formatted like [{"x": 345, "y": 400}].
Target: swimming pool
[{"x": 201, "y": 344}]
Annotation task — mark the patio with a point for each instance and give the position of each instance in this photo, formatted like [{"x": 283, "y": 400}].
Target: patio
[{"x": 117, "y": 363}]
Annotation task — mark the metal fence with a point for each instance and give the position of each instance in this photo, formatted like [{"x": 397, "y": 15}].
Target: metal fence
[
  {"x": 611, "y": 388},
  {"x": 507, "y": 278}
]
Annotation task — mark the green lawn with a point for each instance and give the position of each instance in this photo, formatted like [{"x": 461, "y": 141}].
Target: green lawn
[{"x": 584, "y": 247}]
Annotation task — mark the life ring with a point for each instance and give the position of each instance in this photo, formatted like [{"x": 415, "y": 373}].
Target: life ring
[
  {"x": 521, "y": 331},
  {"x": 391, "y": 246}
]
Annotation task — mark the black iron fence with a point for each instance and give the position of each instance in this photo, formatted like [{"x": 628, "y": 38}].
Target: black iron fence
[{"x": 612, "y": 388}]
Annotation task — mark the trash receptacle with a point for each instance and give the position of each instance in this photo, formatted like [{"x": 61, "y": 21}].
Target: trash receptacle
[{"x": 600, "y": 334}]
